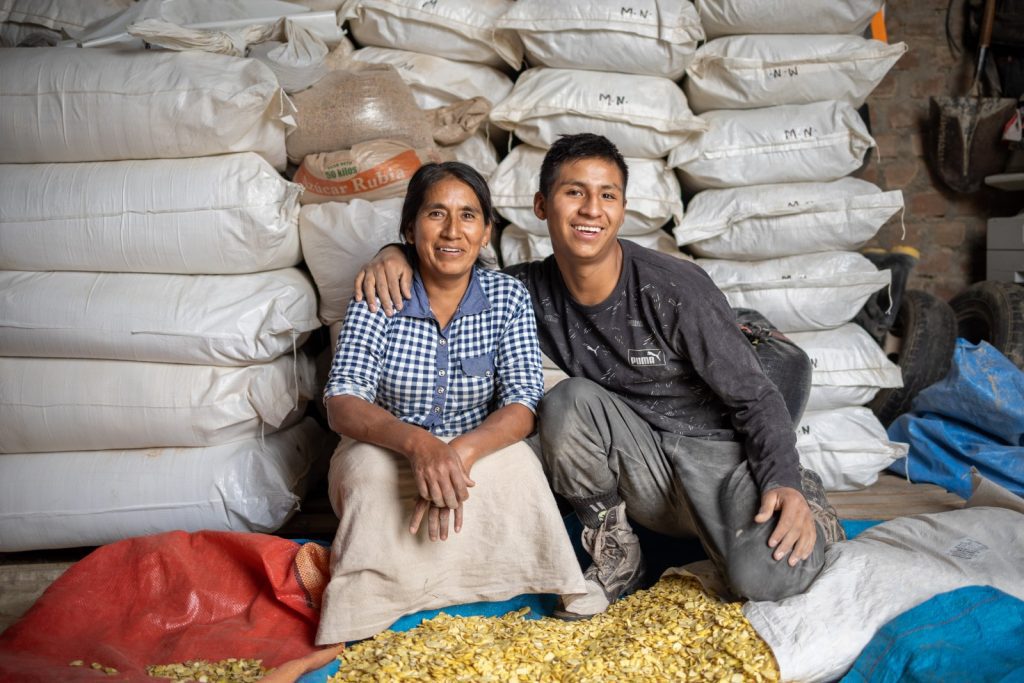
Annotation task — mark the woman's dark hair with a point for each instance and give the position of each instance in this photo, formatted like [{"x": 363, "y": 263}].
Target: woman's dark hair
[
  {"x": 570, "y": 148},
  {"x": 430, "y": 174}
]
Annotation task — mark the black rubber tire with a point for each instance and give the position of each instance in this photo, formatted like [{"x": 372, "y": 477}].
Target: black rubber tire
[
  {"x": 994, "y": 312},
  {"x": 926, "y": 328}
]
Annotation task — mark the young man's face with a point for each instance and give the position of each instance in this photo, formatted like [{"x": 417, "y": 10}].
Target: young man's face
[{"x": 584, "y": 210}]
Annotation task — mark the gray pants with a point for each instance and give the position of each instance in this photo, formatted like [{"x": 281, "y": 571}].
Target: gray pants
[{"x": 597, "y": 451}]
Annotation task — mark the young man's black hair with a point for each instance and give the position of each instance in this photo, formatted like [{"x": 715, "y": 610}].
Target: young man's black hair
[{"x": 570, "y": 148}]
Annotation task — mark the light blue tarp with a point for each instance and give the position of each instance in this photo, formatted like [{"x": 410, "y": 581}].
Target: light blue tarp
[
  {"x": 972, "y": 417},
  {"x": 971, "y": 634}
]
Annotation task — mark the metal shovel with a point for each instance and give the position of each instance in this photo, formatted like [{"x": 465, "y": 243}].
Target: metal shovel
[{"x": 967, "y": 131}]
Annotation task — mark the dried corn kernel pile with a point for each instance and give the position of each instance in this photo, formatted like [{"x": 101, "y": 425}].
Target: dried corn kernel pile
[
  {"x": 674, "y": 631},
  {"x": 200, "y": 671}
]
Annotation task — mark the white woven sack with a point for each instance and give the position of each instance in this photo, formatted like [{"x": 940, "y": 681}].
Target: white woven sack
[
  {"x": 736, "y": 17},
  {"x": 60, "y": 404},
  {"x": 69, "y": 15},
  {"x": 337, "y": 239},
  {"x": 194, "y": 319},
  {"x": 28, "y": 35},
  {"x": 649, "y": 37},
  {"x": 800, "y": 293},
  {"x": 848, "y": 367},
  {"x": 645, "y": 116},
  {"x": 106, "y": 105},
  {"x": 476, "y": 151},
  {"x": 745, "y": 72},
  {"x": 520, "y": 246},
  {"x": 215, "y": 215},
  {"x": 847, "y": 447},
  {"x": 653, "y": 197},
  {"x": 891, "y": 568},
  {"x": 462, "y": 30},
  {"x": 767, "y": 221},
  {"x": 86, "y": 498},
  {"x": 436, "y": 81},
  {"x": 789, "y": 143}
]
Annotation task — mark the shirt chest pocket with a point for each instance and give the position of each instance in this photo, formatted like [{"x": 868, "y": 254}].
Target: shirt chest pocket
[{"x": 478, "y": 367}]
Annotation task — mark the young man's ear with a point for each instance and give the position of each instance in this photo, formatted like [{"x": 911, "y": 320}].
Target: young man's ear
[{"x": 540, "y": 206}]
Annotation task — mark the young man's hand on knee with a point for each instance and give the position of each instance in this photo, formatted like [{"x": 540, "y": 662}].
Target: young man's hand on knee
[{"x": 794, "y": 533}]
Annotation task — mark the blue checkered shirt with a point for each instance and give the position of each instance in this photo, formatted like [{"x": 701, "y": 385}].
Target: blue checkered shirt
[{"x": 446, "y": 380}]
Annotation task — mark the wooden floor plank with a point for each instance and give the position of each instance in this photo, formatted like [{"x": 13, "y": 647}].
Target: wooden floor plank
[{"x": 893, "y": 496}]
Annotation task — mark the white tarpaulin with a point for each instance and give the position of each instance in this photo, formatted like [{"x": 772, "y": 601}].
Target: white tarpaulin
[{"x": 882, "y": 573}]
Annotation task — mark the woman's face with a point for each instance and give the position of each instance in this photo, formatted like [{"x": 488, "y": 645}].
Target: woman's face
[{"x": 450, "y": 230}]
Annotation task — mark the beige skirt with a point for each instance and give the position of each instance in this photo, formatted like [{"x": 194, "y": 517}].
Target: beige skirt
[{"x": 513, "y": 541}]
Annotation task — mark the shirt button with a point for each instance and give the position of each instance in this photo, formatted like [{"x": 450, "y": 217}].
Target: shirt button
[
  {"x": 443, "y": 342},
  {"x": 488, "y": 373},
  {"x": 437, "y": 409},
  {"x": 440, "y": 390},
  {"x": 442, "y": 373}
]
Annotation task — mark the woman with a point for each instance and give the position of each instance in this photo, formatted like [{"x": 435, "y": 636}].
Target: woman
[{"x": 433, "y": 404}]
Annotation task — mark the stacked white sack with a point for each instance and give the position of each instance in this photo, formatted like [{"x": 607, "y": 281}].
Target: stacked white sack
[
  {"x": 603, "y": 68},
  {"x": 736, "y": 17},
  {"x": 648, "y": 37},
  {"x": 149, "y": 297},
  {"x": 770, "y": 221},
  {"x": 104, "y": 105},
  {"x": 774, "y": 202},
  {"x": 462, "y": 30},
  {"x": 848, "y": 367},
  {"x": 21, "y": 19},
  {"x": 438, "y": 82},
  {"x": 224, "y": 214},
  {"x": 753, "y": 71},
  {"x": 803, "y": 292},
  {"x": 445, "y": 52},
  {"x": 76, "y": 498}
]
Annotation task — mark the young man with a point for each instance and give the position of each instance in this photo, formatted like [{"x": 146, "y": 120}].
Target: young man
[{"x": 668, "y": 415}]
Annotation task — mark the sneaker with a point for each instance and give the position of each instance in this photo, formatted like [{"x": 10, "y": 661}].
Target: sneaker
[
  {"x": 821, "y": 509},
  {"x": 617, "y": 569}
]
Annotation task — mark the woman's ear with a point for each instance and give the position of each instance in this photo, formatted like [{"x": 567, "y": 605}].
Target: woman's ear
[{"x": 488, "y": 231}]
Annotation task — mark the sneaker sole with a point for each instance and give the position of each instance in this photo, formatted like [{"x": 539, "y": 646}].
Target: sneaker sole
[{"x": 628, "y": 590}]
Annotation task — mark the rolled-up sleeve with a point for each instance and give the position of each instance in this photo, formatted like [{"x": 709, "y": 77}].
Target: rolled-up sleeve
[
  {"x": 359, "y": 355},
  {"x": 520, "y": 375}
]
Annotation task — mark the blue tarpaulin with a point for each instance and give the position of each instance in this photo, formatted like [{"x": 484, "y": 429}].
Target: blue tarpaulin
[
  {"x": 972, "y": 417},
  {"x": 971, "y": 634}
]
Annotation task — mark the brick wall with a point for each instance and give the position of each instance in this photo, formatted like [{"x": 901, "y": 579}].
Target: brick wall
[{"x": 948, "y": 228}]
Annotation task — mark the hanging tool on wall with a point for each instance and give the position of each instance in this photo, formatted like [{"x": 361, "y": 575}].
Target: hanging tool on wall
[{"x": 967, "y": 131}]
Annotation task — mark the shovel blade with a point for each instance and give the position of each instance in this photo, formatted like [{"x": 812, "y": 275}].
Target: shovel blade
[{"x": 966, "y": 140}]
